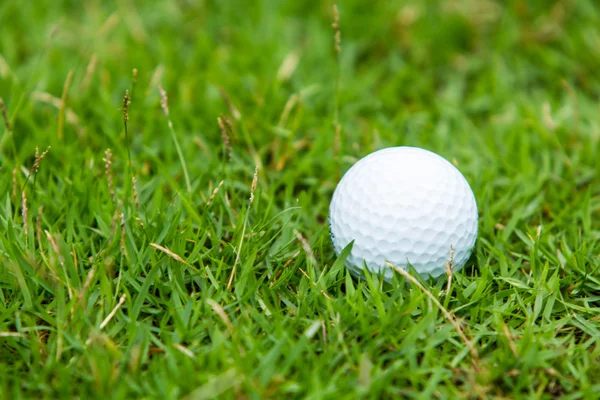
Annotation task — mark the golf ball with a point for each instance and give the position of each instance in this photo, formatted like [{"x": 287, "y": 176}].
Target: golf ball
[{"x": 403, "y": 205}]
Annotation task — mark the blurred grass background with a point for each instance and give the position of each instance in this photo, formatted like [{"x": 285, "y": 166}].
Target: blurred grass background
[{"x": 508, "y": 91}]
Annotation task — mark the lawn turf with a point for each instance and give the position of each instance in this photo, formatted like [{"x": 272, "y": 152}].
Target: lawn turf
[{"x": 167, "y": 286}]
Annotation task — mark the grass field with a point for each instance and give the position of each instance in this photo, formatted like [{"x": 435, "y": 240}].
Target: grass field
[{"x": 198, "y": 278}]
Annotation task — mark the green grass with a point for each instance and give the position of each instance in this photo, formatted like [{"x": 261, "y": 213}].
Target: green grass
[{"x": 510, "y": 93}]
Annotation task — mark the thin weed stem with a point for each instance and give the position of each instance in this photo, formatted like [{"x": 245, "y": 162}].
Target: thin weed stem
[
  {"x": 338, "y": 49},
  {"x": 126, "y": 103},
  {"x": 239, "y": 249},
  {"x": 447, "y": 315},
  {"x": 165, "y": 106}
]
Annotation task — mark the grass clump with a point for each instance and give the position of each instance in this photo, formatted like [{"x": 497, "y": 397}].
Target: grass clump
[{"x": 196, "y": 263}]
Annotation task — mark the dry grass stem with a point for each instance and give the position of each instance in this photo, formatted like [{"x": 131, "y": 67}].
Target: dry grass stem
[
  {"x": 306, "y": 246},
  {"x": 573, "y": 95},
  {"x": 88, "y": 280},
  {"x": 201, "y": 145},
  {"x": 549, "y": 122},
  {"x": 234, "y": 212},
  {"x": 447, "y": 315},
  {"x": 288, "y": 66},
  {"x": 38, "y": 158},
  {"x": 75, "y": 259},
  {"x": 157, "y": 76},
  {"x": 24, "y": 213},
  {"x": 61, "y": 261},
  {"x": 287, "y": 109},
  {"x": 234, "y": 111},
  {"x": 225, "y": 137},
  {"x": 113, "y": 312},
  {"x": 126, "y": 102},
  {"x": 239, "y": 249},
  {"x": 89, "y": 72},
  {"x": 80, "y": 296},
  {"x": 54, "y": 245},
  {"x": 214, "y": 193},
  {"x": 136, "y": 197},
  {"x": 4, "y": 114},
  {"x": 113, "y": 221},
  {"x": 336, "y": 28},
  {"x": 168, "y": 252},
  {"x": 254, "y": 183},
  {"x": 109, "y": 177},
  {"x": 164, "y": 103},
  {"x": 139, "y": 221},
  {"x": 450, "y": 270},
  {"x": 5, "y": 70},
  {"x": 164, "y": 100},
  {"x": 237, "y": 260},
  {"x": 109, "y": 25},
  {"x": 185, "y": 351},
  {"x": 53, "y": 32},
  {"x": 228, "y": 124},
  {"x": 218, "y": 309},
  {"x": 12, "y": 334},
  {"x": 314, "y": 284},
  {"x": 70, "y": 115}
]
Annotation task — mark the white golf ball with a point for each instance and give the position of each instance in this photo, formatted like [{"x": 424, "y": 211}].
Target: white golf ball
[{"x": 403, "y": 205}]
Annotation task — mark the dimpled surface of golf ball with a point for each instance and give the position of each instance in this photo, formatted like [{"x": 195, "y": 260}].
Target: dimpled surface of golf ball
[{"x": 403, "y": 205}]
